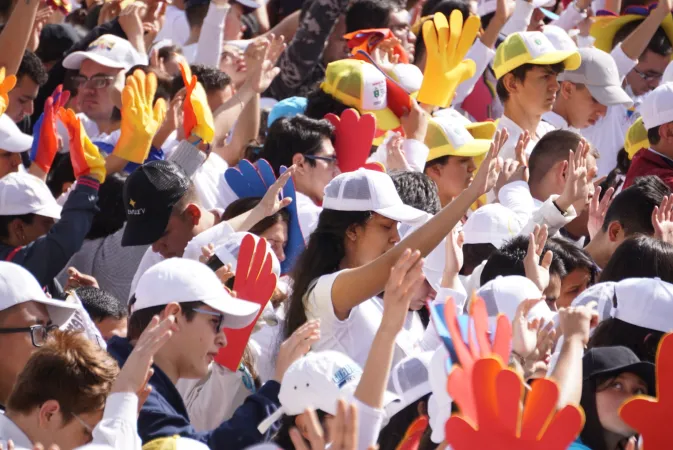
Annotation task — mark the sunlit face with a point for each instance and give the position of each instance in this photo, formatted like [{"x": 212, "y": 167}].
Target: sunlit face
[
  {"x": 553, "y": 291},
  {"x": 371, "y": 240},
  {"x": 647, "y": 74},
  {"x": 398, "y": 23},
  {"x": 110, "y": 327},
  {"x": 536, "y": 21},
  {"x": 424, "y": 293},
  {"x": 179, "y": 231},
  {"x": 95, "y": 98},
  {"x": 536, "y": 94},
  {"x": 9, "y": 162},
  {"x": 75, "y": 432},
  {"x": 585, "y": 110},
  {"x": 38, "y": 228},
  {"x": 611, "y": 395},
  {"x": 232, "y": 62},
  {"x": 453, "y": 177},
  {"x": 276, "y": 236},
  {"x": 573, "y": 285},
  {"x": 21, "y": 98},
  {"x": 316, "y": 171}
]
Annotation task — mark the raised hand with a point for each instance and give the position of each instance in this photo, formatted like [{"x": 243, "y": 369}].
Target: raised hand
[
  {"x": 446, "y": 67},
  {"x": 405, "y": 278},
  {"x": 296, "y": 346},
  {"x": 502, "y": 421},
  {"x": 395, "y": 159},
  {"x": 7, "y": 83},
  {"x": 597, "y": 209},
  {"x": 45, "y": 142},
  {"x": 578, "y": 186},
  {"x": 662, "y": 220},
  {"x": 525, "y": 332},
  {"x": 263, "y": 73},
  {"x": 197, "y": 118},
  {"x": 489, "y": 169},
  {"x": 460, "y": 385},
  {"x": 537, "y": 270},
  {"x": 650, "y": 416},
  {"x": 343, "y": 430},
  {"x": 141, "y": 117},
  {"x": 354, "y": 138},
  {"x": 84, "y": 155}
]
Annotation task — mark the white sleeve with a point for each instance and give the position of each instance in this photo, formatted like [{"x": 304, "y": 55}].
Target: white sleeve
[
  {"x": 624, "y": 63},
  {"x": 214, "y": 235},
  {"x": 569, "y": 18},
  {"x": 149, "y": 259},
  {"x": 416, "y": 153},
  {"x": 550, "y": 215},
  {"x": 370, "y": 421},
  {"x": 119, "y": 426},
  {"x": 523, "y": 12},
  {"x": 516, "y": 196},
  {"x": 431, "y": 339},
  {"x": 319, "y": 304},
  {"x": 209, "y": 47},
  {"x": 482, "y": 56}
]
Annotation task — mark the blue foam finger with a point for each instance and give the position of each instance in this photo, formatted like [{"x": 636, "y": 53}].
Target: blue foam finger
[
  {"x": 244, "y": 180},
  {"x": 256, "y": 183},
  {"x": 36, "y": 137},
  {"x": 266, "y": 172},
  {"x": 295, "y": 238},
  {"x": 237, "y": 182}
]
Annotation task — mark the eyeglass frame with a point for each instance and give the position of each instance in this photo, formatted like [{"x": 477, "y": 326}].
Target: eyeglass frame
[
  {"x": 86, "y": 426},
  {"x": 214, "y": 314},
  {"x": 647, "y": 78},
  {"x": 327, "y": 159},
  {"x": 31, "y": 329},
  {"x": 81, "y": 81}
]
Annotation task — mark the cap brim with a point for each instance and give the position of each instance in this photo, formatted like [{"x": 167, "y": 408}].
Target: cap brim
[
  {"x": 610, "y": 95},
  {"x": 52, "y": 210},
  {"x": 13, "y": 140},
  {"x": 74, "y": 61},
  {"x": 549, "y": 14},
  {"x": 237, "y": 313},
  {"x": 59, "y": 311},
  {"x": 146, "y": 230},
  {"x": 385, "y": 119},
  {"x": 571, "y": 59},
  {"x": 643, "y": 369},
  {"x": 482, "y": 130},
  {"x": 473, "y": 148},
  {"x": 250, "y": 3},
  {"x": 402, "y": 213}
]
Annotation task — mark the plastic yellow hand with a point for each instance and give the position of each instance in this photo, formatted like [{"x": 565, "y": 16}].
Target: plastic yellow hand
[
  {"x": 446, "y": 66},
  {"x": 84, "y": 155},
  {"x": 197, "y": 116},
  {"x": 140, "y": 121},
  {"x": 6, "y": 85}
]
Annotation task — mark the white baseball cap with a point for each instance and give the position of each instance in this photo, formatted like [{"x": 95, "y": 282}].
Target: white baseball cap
[
  {"x": 368, "y": 190},
  {"x": 317, "y": 380},
  {"x": 251, "y": 3},
  {"x": 109, "y": 51},
  {"x": 598, "y": 72},
  {"x": 228, "y": 251},
  {"x": 12, "y": 139},
  {"x": 504, "y": 294},
  {"x": 22, "y": 193},
  {"x": 601, "y": 293},
  {"x": 179, "y": 280},
  {"x": 410, "y": 381},
  {"x": 559, "y": 38},
  {"x": 668, "y": 73},
  {"x": 657, "y": 106},
  {"x": 17, "y": 286},
  {"x": 645, "y": 302},
  {"x": 491, "y": 224}
]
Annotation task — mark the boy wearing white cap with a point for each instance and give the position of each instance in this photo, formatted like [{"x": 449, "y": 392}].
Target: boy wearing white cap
[
  {"x": 12, "y": 142},
  {"x": 657, "y": 114},
  {"x": 27, "y": 317}
]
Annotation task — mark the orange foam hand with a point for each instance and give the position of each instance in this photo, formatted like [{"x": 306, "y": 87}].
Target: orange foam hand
[
  {"x": 412, "y": 438},
  {"x": 354, "y": 138},
  {"x": 501, "y": 422},
  {"x": 650, "y": 416},
  {"x": 255, "y": 282},
  {"x": 460, "y": 380}
]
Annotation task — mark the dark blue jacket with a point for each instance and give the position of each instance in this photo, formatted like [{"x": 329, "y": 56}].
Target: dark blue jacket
[{"x": 164, "y": 413}]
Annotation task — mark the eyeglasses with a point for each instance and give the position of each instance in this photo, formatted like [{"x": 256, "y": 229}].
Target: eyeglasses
[
  {"x": 648, "y": 76},
  {"x": 220, "y": 316},
  {"x": 87, "y": 427},
  {"x": 327, "y": 159},
  {"x": 38, "y": 333},
  {"x": 95, "y": 82}
]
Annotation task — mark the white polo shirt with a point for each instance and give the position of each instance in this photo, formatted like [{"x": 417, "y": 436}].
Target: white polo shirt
[
  {"x": 515, "y": 131},
  {"x": 558, "y": 122}
]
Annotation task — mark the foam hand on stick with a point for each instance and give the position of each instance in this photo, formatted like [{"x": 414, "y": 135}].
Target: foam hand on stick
[
  {"x": 447, "y": 44},
  {"x": 7, "y": 83},
  {"x": 45, "y": 137},
  {"x": 197, "y": 116},
  {"x": 84, "y": 155},
  {"x": 140, "y": 119},
  {"x": 354, "y": 138}
]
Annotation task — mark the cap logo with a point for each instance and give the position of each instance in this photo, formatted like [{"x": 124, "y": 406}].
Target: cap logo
[
  {"x": 132, "y": 203},
  {"x": 344, "y": 375},
  {"x": 538, "y": 42},
  {"x": 101, "y": 44},
  {"x": 133, "y": 211}
]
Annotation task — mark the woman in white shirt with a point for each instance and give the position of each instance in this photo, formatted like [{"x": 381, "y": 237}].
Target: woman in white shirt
[{"x": 350, "y": 254}]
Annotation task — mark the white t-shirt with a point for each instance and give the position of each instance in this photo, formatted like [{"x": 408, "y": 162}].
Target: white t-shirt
[
  {"x": 354, "y": 336},
  {"x": 515, "y": 131},
  {"x": 176, "y": 27},
  {"x": 558, "y": 122},
  {"x": 213, "y": 190},
  {"x": 308, "y": 214}
]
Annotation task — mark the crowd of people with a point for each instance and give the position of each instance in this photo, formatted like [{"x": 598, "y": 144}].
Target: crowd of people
[{"x": 344, "y": 224}]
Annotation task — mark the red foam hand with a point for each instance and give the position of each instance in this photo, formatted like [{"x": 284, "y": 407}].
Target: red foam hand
[
  {"x": 650, "y": 416},
  {"x": 501, "y": 422},
  {"x": 399, "y": 100},
  {"x": 460, "y": 382},
  {"x": 354, "y": 138},
  {"x": 367, "y": 40},
  {"x": 412, "y": 438},
  {"x": 255, "y": 282}
]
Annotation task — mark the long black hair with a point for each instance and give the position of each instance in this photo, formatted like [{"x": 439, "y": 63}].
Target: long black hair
[
  {"x": 642, "y": 341},
  {"x": 323, "y": 255},
  {"x": 640, "y": 257}
]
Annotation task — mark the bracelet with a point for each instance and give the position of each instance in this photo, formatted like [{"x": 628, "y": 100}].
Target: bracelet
[
  {"x": 563, "y": 213},
  {"x": 515, "y": 357}
]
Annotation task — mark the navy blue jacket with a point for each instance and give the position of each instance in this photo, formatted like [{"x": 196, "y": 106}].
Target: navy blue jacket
[{"x": 164, "y": 413}]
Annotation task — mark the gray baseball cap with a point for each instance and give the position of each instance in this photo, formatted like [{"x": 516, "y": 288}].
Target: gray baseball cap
[{"x": 598, "y": 72}]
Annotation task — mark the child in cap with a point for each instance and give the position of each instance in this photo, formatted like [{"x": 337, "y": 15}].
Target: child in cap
[
  {"x": 526, "y": 65},
  {"x": 611, "y": 375}
]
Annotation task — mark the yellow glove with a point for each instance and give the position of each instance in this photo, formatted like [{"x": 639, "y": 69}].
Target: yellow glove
[
  {"x": 140, "y": 121},
  {"x": 84, "y": 155},
  {"x": 6, "y": 85},
  {"x": 197, "y": 116},
  {"x": 446, "y": 48}
]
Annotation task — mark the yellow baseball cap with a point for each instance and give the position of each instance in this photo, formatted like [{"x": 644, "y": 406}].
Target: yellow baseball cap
[
  {"x": 636, "y": 138},
  {"x": 362, "y": 86},
  {"x": 448, "y": 137},
  {"x": 605, "y": 27},
  {"x": 531, "y": 47}
]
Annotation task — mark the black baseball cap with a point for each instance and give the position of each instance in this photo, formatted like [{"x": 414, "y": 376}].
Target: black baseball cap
[
  {"x": 614, "y": 360},
  {"x": 150, "y": 193}
]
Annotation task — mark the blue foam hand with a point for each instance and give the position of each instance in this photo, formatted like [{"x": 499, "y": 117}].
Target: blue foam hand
[
  {"x": 295, "y": 238},
  {"x": 437, "y": 315},
  {"x": 266, "y": 172},
  {"x": 245, "y": 181},
  {"x": 36, "y": 137}
]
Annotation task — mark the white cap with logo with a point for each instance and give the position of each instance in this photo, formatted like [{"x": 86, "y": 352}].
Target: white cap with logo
[
  {"x": 109, "y": 51},
  {"x": 12, "y": 139},
  {"x": 22, "y": 193},
  {"x": 657, "y": 106},
  {"x": 178, "y": 280},
  {"x": 504, "y": 294},
  {"x": 598, "y": 72},
  {"x": 491, "y": 224},
  {"x": 369, "y": 190},
  {"x": 645, "y": 302},
  {"x": 17, "y": 286}
]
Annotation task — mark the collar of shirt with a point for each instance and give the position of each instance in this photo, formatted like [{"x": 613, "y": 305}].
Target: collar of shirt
[
  {"x": 9, "y": 430},
  {"x": 558, "y": 122},
  {"x": 662, "y": 155}
]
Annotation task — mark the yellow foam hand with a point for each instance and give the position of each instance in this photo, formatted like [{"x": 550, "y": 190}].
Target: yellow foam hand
[
  {"x": 7, "y": 83},
  {"x": 446, "y": 47},
  {"x": 197, "y": 116},
  {"x": 140, "y": 120}
]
